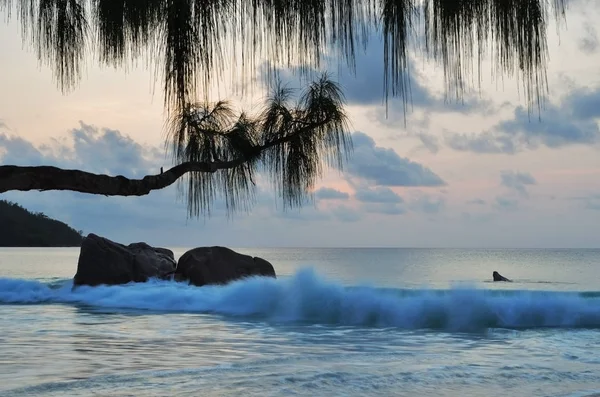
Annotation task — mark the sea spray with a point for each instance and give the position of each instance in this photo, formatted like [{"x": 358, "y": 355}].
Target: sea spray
[{"x": 307, "y": 298}]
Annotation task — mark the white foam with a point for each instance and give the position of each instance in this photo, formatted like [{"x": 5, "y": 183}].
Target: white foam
[{"x": 305, "y": 297}]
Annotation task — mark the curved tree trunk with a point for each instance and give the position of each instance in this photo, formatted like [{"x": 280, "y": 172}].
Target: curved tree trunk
[{"x": 26, "y": 178}]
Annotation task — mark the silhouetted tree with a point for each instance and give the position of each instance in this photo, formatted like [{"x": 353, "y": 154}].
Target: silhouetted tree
[{"x": 192, "y": 40}]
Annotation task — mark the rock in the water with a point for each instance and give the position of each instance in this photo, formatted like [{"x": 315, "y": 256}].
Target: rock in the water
[
  {"x": 102, "y": 261},
  {"x": 219, "y": 265},
  {"x": 498, "y": 277}
]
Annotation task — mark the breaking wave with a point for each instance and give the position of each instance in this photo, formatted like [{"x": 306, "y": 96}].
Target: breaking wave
[{"x": 308, "y": 298}]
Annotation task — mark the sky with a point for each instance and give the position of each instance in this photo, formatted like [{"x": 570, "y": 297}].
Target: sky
[{"x": 476, "y": 174}]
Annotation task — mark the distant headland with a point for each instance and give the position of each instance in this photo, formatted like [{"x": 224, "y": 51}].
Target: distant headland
[{"x": 22, "y": 228}]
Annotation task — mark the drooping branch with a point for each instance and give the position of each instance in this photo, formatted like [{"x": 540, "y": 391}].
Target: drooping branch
[
  {"x": 290, "y": 142},
  {"x": 44, "y": 178}
]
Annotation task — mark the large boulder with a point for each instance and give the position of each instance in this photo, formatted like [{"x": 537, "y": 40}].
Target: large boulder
[
  {"x": 102, "y": 261},
  {"x": 219, "y": 265}
]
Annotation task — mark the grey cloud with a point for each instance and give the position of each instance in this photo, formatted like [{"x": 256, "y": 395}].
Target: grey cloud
[
  {"x": 115, "y": 153},
  {"x": 18, "y": 151},
  {"x": 590, "y": 202},
  {"x": 378, "y": 195},
  {"x": 589, "y": 44},
  {"x": 345, "y": 214},
  {"x": 593, "y": 205},
  {"x": 481, "y": 143},
  {"x": 506, "y": 204},
  {"x": 584, "y": 103},
  {"x": 364, "y": 85},
  {"x": 558, "y": 127},
  {"x": 429, "y": 141},
  {"x": 384, "y": 208},
  {"x": 477, "y": 201},
  {"x": 95, "y": 150},
  {"x": 573, "y": 121},
  {"x": 327, "y": 193},
  {"x": 309, "y": 211},
  {"x": 302, "y": 214},
  {"x": 517, "y": 181},
  {"x": 427, "y": 204},
  {"x": 267, "y": 204},
  {"x": 476, "y": 217},
  {"x": 385, "y": 167}
]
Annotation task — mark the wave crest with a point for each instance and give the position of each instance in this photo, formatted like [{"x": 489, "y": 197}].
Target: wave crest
[{"x": 307, "y": 298}]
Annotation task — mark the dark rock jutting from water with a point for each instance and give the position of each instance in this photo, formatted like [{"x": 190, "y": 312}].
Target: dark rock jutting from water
[
  {"x": 498, "y": 277},
  {"x": 219, "y": 265},
  {"x": 102, "y": 261}
]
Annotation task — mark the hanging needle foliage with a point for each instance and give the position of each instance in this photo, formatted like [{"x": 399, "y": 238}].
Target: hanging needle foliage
[
  {"x": 290, "y": 141},
  {"x": 192, "y": 41}
]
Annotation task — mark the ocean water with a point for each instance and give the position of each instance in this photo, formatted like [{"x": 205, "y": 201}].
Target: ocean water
[{"x": 336, "y": 322}]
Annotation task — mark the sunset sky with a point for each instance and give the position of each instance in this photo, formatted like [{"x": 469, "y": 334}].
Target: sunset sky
[{"x": 474, "y": 174}]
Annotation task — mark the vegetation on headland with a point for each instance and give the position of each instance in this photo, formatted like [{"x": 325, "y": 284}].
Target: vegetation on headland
[{"x": 22, "y": 228}]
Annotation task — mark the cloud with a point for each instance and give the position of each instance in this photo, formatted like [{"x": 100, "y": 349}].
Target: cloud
[
  {"x": 327, "y": 193},
  {"x": 476, "y": 201},
  {"x": 558, "y": 127},
  {"x": 517, "y": 181},
  {"x": 479, "y": 218},
  {"x": 377, "y": 195},
  {"x": 363, "y": 85},
  {"x": 17, "y": 151},
  {"x": 429, "y": 142},
  {"x": 571, "y": 121},
  {"x": 92, "y": 149},
  {"x": 583, "y": 103},
  {"x": 486, "y": 142},
  {"x": 593, "y": 204},
  {"x": 384, "y": 208},
  {"x": 385, "y": 167},
  {"x": 590, "y": 202},
  {"x": 114, "y": 153},
  {"x": 589, "y": 43},
  {"x": 302, "y": 214},
  {"x": 427, "y": 204},
  {"x": 506, "y": 204},
  {"x": 379, "y": 200},
  {"x": 346, "y": 214}
]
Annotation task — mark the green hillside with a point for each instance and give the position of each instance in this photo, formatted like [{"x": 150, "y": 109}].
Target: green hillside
[{"x": 21, "y": 228}]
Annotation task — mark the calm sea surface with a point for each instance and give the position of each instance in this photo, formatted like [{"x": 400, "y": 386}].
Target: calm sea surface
[{"x": 337, "y": 322}]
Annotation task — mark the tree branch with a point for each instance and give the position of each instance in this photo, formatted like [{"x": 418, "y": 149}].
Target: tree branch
[{"x": 42, "y": 178}]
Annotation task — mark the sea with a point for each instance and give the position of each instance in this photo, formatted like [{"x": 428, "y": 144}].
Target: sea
[{"x": 336, "y": 322}]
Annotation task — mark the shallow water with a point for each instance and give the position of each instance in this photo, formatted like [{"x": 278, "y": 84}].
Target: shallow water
[{"x": 336, "y": 322}]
